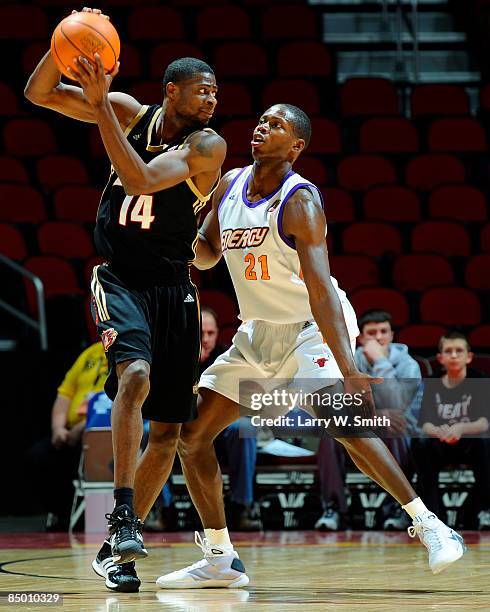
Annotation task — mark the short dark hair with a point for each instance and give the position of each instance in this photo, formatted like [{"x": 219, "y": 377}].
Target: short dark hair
[
  {"x": 301, "y": 122},
  {"x": 453, "y": 335},
  {"x": 184, "y": 68},
  {"x": 210, "y": 311},
  {"x": 375, "y": 316}
]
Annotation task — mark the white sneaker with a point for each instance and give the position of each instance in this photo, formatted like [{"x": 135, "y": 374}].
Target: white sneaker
[
  {"x": 445, "y": 546},
  {"x": 329, "y": 521},
  {"x": 220, "y": 567}
]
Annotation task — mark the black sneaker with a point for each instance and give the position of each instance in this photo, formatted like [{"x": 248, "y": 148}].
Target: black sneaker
[
  {"x": 121, "y": 577},
  {"x": 125, "y": 535}
]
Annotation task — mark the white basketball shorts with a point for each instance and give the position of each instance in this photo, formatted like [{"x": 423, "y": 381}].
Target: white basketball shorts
[{"x": 263, "y": 350}]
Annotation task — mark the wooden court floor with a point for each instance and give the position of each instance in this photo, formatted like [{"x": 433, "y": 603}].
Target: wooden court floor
[{"x": 288, "y": 571}]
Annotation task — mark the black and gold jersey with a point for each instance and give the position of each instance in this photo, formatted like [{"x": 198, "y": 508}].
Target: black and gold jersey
[{"x": 149, "y": 239}]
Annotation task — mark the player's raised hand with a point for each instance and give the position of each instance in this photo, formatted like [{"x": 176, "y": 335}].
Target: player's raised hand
[
  {"x": 93, "y": 79},
  {"x": 86, "y": 9},
  {"x": 359, "y": 386}
]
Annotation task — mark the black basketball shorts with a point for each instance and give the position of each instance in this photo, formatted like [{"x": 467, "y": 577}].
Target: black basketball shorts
[{"x": 159, "y": 324}]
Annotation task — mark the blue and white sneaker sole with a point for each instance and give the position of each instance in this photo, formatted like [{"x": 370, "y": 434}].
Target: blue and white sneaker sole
[{"x": 238, "y": 583}]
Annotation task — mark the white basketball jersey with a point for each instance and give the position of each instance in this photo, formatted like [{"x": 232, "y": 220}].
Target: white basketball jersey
[{"x": 262, "y": 261}]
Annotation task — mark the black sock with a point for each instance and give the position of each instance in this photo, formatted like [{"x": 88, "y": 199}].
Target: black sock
[{"x": 123, "y": 496}]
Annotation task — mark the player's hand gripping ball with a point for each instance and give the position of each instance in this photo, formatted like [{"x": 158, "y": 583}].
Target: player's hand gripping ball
[{"x": 85, "y": 33}]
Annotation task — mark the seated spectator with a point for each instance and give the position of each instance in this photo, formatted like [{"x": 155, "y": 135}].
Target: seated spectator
[
  {"x": 454, "y": 417},
  {"x": 56, "y": 459},
  {"x": 377, "y": 356},
  {"x": 236, "y": 446}
]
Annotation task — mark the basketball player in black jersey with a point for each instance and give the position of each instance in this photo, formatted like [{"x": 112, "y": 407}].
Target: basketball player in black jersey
[{"x": 165, "y": 167}]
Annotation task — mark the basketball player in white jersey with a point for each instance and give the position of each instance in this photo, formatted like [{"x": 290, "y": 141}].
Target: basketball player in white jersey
[{"x": 269, "y": 224}]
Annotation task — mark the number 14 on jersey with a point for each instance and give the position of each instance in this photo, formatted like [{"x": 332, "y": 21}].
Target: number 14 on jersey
[{"x": 140, "y": 212}]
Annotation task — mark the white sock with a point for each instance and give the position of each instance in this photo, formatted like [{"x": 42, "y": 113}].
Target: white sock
[
  {"x": 416, "y": 508},
  {"x": 218, "y": 537}
]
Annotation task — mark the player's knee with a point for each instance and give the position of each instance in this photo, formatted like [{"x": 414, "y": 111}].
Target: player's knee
[
  {"x": 134, "y": 382},
  {"x": 164, "y": 438},
  {"x": 192, "y": 442}
]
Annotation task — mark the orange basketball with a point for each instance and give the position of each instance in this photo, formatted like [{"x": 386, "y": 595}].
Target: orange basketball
[{"x": 84, "y": 34}]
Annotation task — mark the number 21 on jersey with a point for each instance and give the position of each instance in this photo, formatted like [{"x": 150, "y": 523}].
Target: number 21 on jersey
[
  {"x": 140, "y": 213},
  {"x": 250, "y": 273}
]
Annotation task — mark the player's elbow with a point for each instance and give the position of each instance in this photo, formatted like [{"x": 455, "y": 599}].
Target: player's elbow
[
  {"x": 35, "y": 96},
  {"x": 135, "y": 186},
  {"x": 31, "y": 94}
]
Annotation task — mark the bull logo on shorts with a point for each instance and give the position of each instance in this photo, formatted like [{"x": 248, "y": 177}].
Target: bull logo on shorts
[
  {"x": 108, "y": 338},
  {"x": 321, "y": 361}
]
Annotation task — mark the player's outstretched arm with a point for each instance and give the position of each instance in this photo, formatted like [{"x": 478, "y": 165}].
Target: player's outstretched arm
[
  {"x": 44, "y": 88},
  {"x": 208, "y": 251},
  {"x": 304, "y": 222}
]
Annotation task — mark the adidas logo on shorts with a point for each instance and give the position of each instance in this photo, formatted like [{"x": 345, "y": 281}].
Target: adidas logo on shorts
[{"x": 189, "y": 299}]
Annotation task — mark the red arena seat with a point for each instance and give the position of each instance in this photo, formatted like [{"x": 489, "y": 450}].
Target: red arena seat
[
  {"x": 234, "y": 22},
  {"x": 368, "y": 96},
  {"x": 234, "y": 99},
  {"x": 77, "y": 204},
  {"x": 21, "y": 204},
  {"x": 463, "y": 135},
  {"x": 450, "y": 306},
  {"x": 299, "y": 92},
  {"x": 57, "y": 275},
  {"x": 339, "y": 205},
  {"x": 300, "y": 59},
  {"x": 240, "y": 59},
  {"x": 428, "y": 171},
  {"x": 480, "y": 337},
  {"x": 165, "y": 53},
  {"x": 360, "y": 172},
  {"x": 23, "y": 22},
  {"x": 289, "y": 22},
  {"x": 374, "y": 239},
  {"x": 485, "y": 238},
  {"x": 8, "y": 101},
  {"x": 459, "y": 202},
  {"x": 443, "y": 237},
  {"x": 395, "y": 204},
  {"x": 381, "y": 299},
  {"x": 312, "y": 168},
  {"x": 477, "y": 272},
  {"x": 421, "y": 336},
  {"x": 65, "y": 239},
  {"x": 416, "y": 272},
  {"x": 354, "y": 271},
  {"x": 325, "y": 137},
  {"x": 12, "y": 242},
  {"x": 131, "y": 65},
  {"x": 439, "y": 99},
  {"x": 12, "y": 170},
  {"x": 56, "y": 170},
  {"x": 25, "y": 137},
  {"x": 238, "y": 135},
  {"x": 155, "y": 23},
  {"x": 389, "y": 135}
]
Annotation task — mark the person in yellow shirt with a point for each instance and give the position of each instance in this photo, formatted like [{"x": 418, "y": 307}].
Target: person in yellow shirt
[
  {"x": 86, "y": 376},
  {"x": 56, "y": 458}
]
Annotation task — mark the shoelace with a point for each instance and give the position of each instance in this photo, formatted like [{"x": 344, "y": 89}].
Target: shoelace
[
  {"x": 429, "y": 536},
  {"x": 205, "y": 546},
  {"x": 126, "y": 526}
]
